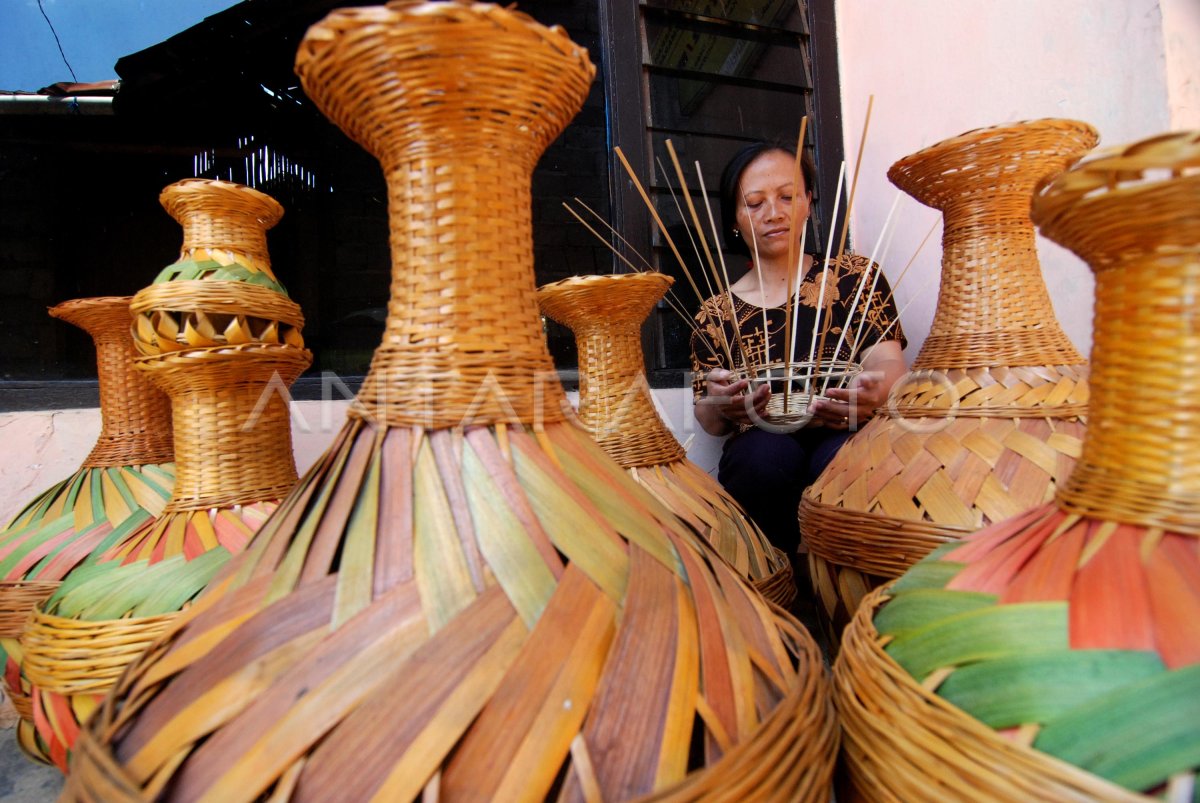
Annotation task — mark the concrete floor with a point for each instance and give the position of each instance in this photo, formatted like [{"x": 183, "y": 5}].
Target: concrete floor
[{"x": 22, "y": 780}]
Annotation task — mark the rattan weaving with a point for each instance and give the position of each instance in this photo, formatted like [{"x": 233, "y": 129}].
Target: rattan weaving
[
  {"x": 482, "y": 610},
  {"x": 135, "y": 426},
  {"x": 990, "y": 419},
  {"x": 232, "y": 442},
  {"x": 224, "y": 227},
  {"x": 124, "y": 481},
  {"x": 1084, "y": 610},
  {"x": 606, "y": 313}
]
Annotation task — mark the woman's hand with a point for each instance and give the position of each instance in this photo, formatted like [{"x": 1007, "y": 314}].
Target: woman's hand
[
  {"x": 728, "y": 403},
  {"x": 851, "y": 408}
]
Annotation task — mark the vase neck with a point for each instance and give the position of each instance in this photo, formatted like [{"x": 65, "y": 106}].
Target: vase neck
[
  {"x": 223, "y": 221},
  {"x": 463, "y": 342},
  {"x": 135, "y": 416},
  {"x": 615, "y": 404},
  {"x": 1139, "y": 458},
  {"x": 233, "y": 440},
  {"x": 993, "y": 307}
]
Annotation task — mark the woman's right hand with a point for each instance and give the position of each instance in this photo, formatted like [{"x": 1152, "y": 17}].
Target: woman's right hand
[{"x": 728, "y": 399}]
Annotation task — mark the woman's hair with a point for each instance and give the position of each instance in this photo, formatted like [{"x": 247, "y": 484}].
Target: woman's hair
[{"x": 731, "y": 179}]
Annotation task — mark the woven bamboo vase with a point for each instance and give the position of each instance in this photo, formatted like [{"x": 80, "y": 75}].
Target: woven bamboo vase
[
  {"x": 232, "y": 440},
  {"x": 466, "y": 598},
  {"x": 991, "y": 417},
  {"x": 1056, "y": 655},
  {"x": 606, "y": 314},
  {"x": 124, "y": 482}
]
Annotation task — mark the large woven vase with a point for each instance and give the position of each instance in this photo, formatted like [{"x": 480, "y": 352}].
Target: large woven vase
[
  {"x": 124, "y": 482},
  {"x": 466, "y": 599},
  {"x": 232, "y": 441},
  {"x": 991, "y": 418},
  {"x": 1056, "y": 655},
  {"x": 606, "y": 314}
]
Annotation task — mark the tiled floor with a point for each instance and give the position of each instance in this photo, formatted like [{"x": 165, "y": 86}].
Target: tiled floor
[{"x": 21, "y": 780}]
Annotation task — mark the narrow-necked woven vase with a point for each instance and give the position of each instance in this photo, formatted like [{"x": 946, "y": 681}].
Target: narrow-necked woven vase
[
  {"x": 234, "y": 463},
  {"x": 1056, "y": 655},
  {"x": 221, "y": 291},
  {"x": 467, "y": 598},
  {"x": 606, "y": 314},
  {"x": 991, "y": 418},
  {"x": 124, "y": 482}
]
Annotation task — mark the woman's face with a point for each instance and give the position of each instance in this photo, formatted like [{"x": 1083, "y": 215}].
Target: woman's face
[{"x": 769, "y": 202}]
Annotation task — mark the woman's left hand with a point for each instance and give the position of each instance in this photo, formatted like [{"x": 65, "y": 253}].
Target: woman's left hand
[{"x": 851, "y": 408}]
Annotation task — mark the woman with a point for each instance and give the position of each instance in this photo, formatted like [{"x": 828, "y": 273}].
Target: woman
[{"x": 765, "y": 469}]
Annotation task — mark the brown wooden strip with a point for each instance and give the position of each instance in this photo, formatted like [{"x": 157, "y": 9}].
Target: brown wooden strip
[
  {"x": 377, "y": 735},
  {"x": 715, "y": 674},
  {"x": 521, "y": 738},
  {"x": 394, "y": 536},
  {"x": 304, "y": 610},
  {"x": 303, "y": 704},
  {"x": 624, "y": 730}
]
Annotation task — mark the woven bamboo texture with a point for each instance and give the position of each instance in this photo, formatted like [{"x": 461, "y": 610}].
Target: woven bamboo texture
[
  {"x": 1083, "y": 611},
  {"x": 135, "y": 426},
  {"x": 605, "y": 313},
  {"x": 124, "y": 481},
  {"x": 615, "y": 406},
  {"x": 991, "y": 418},
  {"x": 223, "y": 221},
  {"x": 221, "y": 291},
  {"x": 472, "y": 611},
  {"x": 232, "y": 442}
]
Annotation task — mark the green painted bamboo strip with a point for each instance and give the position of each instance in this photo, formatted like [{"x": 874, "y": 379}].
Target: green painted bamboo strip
[
  {"x": 1137, "y": 736},
  {"x": 1040, "y": 687},
  {"x": 909, "y": 610},
  {"x": 982, "y": 634}
]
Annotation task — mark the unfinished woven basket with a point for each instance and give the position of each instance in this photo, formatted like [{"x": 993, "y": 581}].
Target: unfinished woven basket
[
  {"x": 124, "y": 482},
  {"x": 234, "y": 463},
  {"x": 221, "y": 291},
  {"x": 466, "y": 598},
  {"x": 1056, "y": 655},
  {"x": 615, "y": 406},
  {"x": 991, "y": 418}
]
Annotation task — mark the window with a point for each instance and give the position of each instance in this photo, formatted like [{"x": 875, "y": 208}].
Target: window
[{"x": 711, "y": 75}]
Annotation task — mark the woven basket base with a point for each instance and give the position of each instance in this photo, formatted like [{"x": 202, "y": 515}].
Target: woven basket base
[
  {"x": 903, "y": 743},
  {"x": 839, "y": 591},
  {"x": 780, "y": 587}
]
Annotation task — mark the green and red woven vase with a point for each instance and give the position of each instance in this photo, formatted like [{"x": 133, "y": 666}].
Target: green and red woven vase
[
  {"x": 1056, "y": 655},
  {"x": 234, "y": 462},
  {"x": 123, "y": 483}
]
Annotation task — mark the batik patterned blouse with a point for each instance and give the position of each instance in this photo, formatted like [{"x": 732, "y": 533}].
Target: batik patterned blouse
[{"x": 717, "y": 343}]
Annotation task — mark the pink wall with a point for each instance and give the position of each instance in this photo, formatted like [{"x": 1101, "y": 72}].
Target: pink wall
[{"x": 938, "y": 68}]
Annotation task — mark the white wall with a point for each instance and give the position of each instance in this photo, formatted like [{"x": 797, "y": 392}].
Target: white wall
[{"x": 938, "y": 68}]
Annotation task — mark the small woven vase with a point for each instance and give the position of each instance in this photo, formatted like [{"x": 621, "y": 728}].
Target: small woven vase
[
  {"x": 615, "y": 406},
  {"x": 1056, "y": 655},
  {"x": 221, "y": 291},
  {"x": 466, "y": 598},
  {"x": 991, "y": 417},
  {"x": 232, "y": 441},
  {"x": 124, "y": 482}
]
